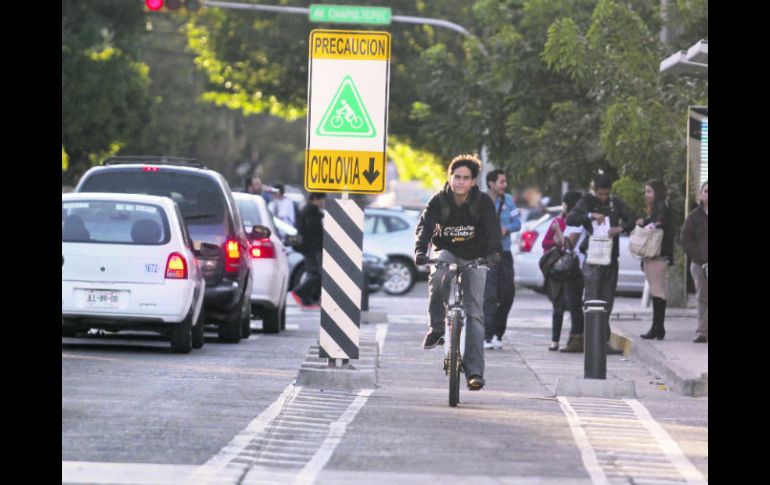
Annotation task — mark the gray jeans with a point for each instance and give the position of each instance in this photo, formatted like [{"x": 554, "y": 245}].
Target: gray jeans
[
  {"x": 702, "y": 289},
  {"x": 473, "y": 281}
]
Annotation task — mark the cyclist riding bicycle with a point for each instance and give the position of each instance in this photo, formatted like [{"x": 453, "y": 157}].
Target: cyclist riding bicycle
[{"x": 462, "y": 224}]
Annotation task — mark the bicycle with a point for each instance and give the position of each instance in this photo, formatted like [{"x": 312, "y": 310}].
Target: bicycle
[{"x": 454, "y": 347}]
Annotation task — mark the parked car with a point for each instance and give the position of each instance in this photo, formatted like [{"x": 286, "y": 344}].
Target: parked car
[
  {"x": 526, "y": 258},
  {"x": 374, "y": 264},
  {"x": 269, "y": 263},
  {"x": 211, "y": 215},
  {"x": 391, "y": 232},
  {"x": 128, "y": 263}
]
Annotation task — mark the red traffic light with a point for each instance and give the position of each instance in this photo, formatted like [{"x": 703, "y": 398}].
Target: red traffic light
[{"x": 153, "y": 5}]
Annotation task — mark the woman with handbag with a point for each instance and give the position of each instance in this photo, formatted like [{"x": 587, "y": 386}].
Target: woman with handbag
[
  {"x": 655, "y": 267},
  {"x": 564, "y": 282}
]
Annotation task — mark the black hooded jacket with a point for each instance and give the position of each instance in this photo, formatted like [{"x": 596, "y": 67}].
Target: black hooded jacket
[{"x": 469, "y": 231}]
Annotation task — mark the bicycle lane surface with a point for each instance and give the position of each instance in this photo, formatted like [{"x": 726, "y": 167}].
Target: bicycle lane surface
[{"x": 515, "y": 430}]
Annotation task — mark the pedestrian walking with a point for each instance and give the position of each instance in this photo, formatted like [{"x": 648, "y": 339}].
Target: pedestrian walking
[
  {"x": 254, "y": 185},
  {"x": 307, "y": 293},
  {"x": 565, "y": 291},
  {"x": 499, "y": 290},
  {"x": 695, "y": 242},
  {"x": 461, "y": 223},
  {"x": 604, "y": 215},
  {"x": 655, "y": 268}
]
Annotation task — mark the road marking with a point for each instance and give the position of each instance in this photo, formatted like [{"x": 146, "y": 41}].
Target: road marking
[
  {"x": 669, "y": 446},
  {"x": 124, "y": 473},
  {"x": 620, "y": 440},
  {"x": 382, "y": 332},
  {"x": 586, "y": 450},
  {"x": 223, "y": 459},
  {"x": 309, "y": 474}
]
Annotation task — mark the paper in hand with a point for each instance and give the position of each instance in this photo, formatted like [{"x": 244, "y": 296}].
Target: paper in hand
[{"x": 602, "y": 230}]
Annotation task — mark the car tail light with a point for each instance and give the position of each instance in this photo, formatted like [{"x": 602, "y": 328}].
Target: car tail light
[
  {"x": 262, "y": 248},
  {"x": 176, "y": 267},
  {"x": 151, "y": 169},
  {"x": 232, "y": 256},
  {"x": 527, "y": 240}
]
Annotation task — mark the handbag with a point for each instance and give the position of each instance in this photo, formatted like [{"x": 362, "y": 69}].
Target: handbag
[
  {"x": 599, "y": 250},
  {"x": 645, "y": 244},
  {"x": 548, "y": 259},
  {"x": 567, "y": 265}
]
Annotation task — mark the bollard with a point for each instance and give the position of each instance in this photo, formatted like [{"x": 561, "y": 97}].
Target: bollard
[{"x": 595, "y": 363}]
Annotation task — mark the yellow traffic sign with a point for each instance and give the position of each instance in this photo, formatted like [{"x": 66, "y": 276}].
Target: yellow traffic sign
[
  {"x": 345, "y": 171},
  {"x": 347, "y": 120}
]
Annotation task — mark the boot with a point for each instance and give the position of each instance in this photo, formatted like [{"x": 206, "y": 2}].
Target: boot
[
  {"x": 657, "y": 331},
  {"x": 574, "y": 344}
]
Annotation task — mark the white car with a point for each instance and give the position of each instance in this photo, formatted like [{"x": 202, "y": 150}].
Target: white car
[
  {"x": 391, "y": 232},
  {"x": 526, "y": 259},
  {"x": 269, "y": 263},
  {"x": 128, "y": 263}
]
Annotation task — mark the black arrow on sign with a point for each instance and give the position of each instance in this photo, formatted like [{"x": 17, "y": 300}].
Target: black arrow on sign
[{"x": 371, "y": 174}]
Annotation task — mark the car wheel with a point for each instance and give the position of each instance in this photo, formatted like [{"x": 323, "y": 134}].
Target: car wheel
[
  {"x": 197, "y": 332},
  {"x": 283, "y": 315},
  {"x": 400, "y": 276},
  {"x": 68, "y": 332},
  {"x": 271, "y": 320},
  {"x": 181, "y": 336},
  {"x": 230, "y": 330},
  {"x": 246, "y": 321}
]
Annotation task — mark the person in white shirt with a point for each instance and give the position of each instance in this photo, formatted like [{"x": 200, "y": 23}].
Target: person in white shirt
[{"x": 281, "y": 207}]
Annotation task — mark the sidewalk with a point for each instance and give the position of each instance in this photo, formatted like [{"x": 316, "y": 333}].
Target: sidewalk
[{"x": 675, "y": 358}]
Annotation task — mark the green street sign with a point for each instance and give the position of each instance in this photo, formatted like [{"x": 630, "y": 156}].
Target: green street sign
[
  {"x": 349, "y": 14},
  {"x": 346, "y": 114}
]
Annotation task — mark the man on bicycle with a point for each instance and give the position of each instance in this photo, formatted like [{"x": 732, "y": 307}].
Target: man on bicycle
[{"x": 461, "y": 223}]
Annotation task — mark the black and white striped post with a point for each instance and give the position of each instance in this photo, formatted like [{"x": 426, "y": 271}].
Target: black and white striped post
[{"x": 341, "y": 281}]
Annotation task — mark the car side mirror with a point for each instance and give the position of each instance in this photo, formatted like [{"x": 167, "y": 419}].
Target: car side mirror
[
  {"x": 207, "y": 250},
  {"x": 261, "y": 232}
]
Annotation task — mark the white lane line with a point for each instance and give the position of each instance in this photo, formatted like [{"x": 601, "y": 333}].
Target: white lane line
[
  {"x": 586, "y": 450},
  {"x": 669, "y": 446},
  {"x": 124, "y": 473},
  {"x": 382, "y": 332},
  {"x": 309, "y": 473},
  {"x": 221, "y": 460}
]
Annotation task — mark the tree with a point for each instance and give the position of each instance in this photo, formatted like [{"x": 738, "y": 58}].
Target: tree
[{"x": 105, "y": 103}]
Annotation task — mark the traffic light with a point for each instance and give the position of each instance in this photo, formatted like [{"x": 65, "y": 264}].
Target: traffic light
[{"x": 172, "y": 5}]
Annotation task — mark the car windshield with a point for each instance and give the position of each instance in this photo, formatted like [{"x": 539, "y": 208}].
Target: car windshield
[
  {"x": 199, "y": 198},
  {"x": 113, "y": 222},
  {"x": 249, "y": 213}
]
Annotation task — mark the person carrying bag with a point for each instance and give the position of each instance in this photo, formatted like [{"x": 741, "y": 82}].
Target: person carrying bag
[{"x": 563, "y": 278}]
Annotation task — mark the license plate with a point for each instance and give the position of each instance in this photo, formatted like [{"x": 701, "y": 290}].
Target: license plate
[{"x": 102, "y": 299}]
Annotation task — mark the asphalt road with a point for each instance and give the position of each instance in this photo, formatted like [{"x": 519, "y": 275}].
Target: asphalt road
[{"x": 133, "y": 412}]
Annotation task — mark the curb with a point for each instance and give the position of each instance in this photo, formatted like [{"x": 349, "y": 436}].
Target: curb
[
  {"x": 359, "y": 373},
  {"x": 683, "y": 382}
]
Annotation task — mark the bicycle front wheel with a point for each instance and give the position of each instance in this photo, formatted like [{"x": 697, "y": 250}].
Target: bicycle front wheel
[{"x": 455, "y": 359}]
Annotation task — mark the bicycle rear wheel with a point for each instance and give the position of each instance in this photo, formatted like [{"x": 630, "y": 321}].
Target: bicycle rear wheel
[{"x": 454, "y": 357}]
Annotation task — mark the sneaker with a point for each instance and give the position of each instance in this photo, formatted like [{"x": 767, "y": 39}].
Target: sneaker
[
  {"x": 554, "y": 346},
  {"x": 432, "y": 339},
  {"x": 700, "y": 339},
  {"x": 497, "y": 343},
  {"x": 574, "y": 344},
  {"x": 475, "y": 383},
  {"x": 488, "y": 345},
  {"x": 314, "y": 306}
]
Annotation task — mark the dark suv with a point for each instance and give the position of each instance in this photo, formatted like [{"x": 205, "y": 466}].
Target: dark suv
[{"x": 211, "y": 215}]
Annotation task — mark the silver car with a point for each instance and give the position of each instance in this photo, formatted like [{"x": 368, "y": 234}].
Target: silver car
[
  {"x": 527, "y": 253},
  {"x": 391, "y": 232}
]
